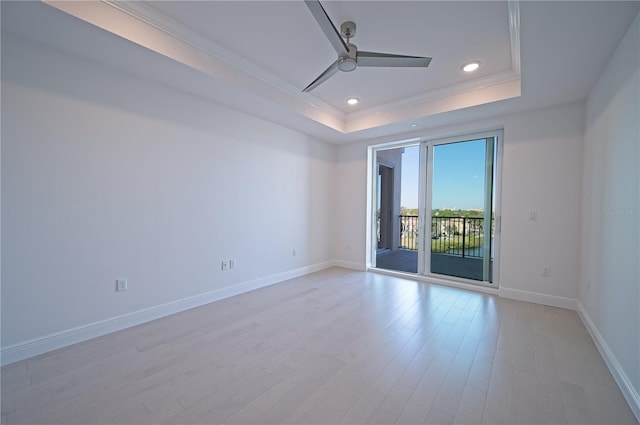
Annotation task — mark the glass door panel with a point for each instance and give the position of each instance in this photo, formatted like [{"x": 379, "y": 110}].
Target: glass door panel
[
  {"x": 397, "y": 195},
  {"x": 462, "y": 209}
]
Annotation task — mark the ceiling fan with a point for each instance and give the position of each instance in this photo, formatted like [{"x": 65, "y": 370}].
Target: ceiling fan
[{"x": 349, "y": 58}]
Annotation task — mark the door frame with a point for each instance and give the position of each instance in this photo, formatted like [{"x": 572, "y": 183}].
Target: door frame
[{"x": 426, "y": 173}]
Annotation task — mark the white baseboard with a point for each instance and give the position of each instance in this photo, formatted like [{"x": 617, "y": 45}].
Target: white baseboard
[
  {"x": 537, "y": 298},
  {"x": 68, "y": 337},
  {"x": 349, "y": 265},
  {"x": 628, "y": 391}
]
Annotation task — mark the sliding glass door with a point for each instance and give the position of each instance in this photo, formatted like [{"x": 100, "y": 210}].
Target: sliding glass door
[
  {"x": 440, "y": 214},
  {"x": 462, "y": 209}
]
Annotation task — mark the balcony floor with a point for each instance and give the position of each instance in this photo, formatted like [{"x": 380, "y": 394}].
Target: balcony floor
[{"x": 407, "y": 261}]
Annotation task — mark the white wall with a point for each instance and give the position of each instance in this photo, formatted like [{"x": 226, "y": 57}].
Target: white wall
[
  {"x": 107, "y": 176},
  {"x": 610, "y": 266},
  {"x": 541, "y": 172}
]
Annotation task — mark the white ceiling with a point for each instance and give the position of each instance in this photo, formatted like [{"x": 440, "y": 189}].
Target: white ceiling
[{"x": 257, "y": 56}]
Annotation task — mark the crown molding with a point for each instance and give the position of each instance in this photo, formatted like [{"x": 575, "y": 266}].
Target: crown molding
[
  {"x": 486, "y": 81},
  {"x": 153, "y": 17},
  {"x": 514, "y": 34},
  {"x": 146, "y": 26},
  {"x": 464, "y": 99},
  {"x": 111, "y": 17},
  {"x": 441, "y": 93}
]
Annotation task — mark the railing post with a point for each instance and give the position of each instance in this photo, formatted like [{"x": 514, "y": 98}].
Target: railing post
[{"x": 464, "y": 228}]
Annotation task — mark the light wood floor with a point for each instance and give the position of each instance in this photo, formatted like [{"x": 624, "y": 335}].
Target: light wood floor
[{"x": 336, "y": 346}]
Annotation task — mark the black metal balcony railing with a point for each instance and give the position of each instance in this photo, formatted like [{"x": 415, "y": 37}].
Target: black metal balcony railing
[
  {"x": 461, "y": 236},
  {"x": 409, "y": 232}
]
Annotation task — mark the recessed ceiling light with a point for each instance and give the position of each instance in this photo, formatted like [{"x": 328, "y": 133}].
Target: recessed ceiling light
[
  {"x": 471, "y": 66},
  {"x": 353, "y": 100}
]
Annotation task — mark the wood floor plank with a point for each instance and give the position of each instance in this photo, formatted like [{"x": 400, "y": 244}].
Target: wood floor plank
[
  {"x": 419, "y": 404},
  {"x": 471, "y": 406},
  {"x": 450, "y": 394}
]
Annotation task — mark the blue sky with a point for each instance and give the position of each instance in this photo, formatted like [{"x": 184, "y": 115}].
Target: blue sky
[{"x": 458, "y": 175}]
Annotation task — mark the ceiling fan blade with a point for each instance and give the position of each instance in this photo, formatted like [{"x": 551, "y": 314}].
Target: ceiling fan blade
[
  {"x": 323, "y": 77},
  {"x": 386, "y": 59},
  {"x": 327, "y": 27}
]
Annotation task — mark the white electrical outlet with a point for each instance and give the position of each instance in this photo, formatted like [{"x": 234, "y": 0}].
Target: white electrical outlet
[
  {"x": 546, "y": 272},
  {"x": 224, "y": 265},
  {"x": 121, "y": 285},
  {"x": 533, "y": 215},
  {"x": 294, "y": 252},
  {"x": 232, "y": 263}
]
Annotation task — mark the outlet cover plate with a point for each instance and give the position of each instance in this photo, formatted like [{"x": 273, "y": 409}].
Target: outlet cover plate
[{"x": 121, "y": 285}]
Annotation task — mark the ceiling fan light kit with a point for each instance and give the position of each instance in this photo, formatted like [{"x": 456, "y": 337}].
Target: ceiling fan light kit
[
  {"x": 349, "y": 58},
  {"x": 347, "y": 64}
]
